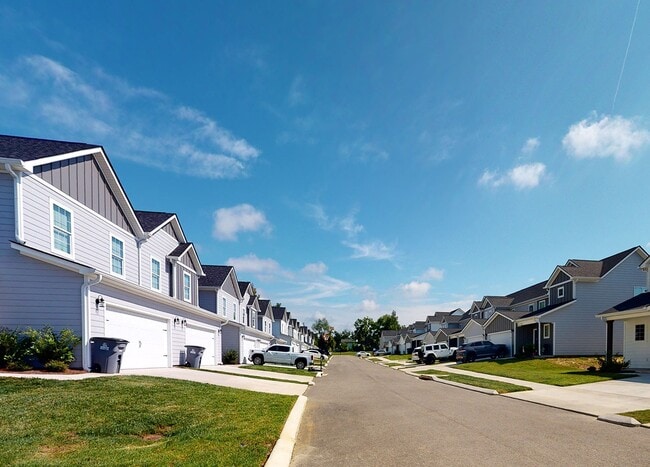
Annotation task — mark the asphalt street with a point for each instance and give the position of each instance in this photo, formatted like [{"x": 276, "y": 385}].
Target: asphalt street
[{"x": 367, "y": 414}]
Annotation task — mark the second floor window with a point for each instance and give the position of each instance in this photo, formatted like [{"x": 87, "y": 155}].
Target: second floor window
[
  {"x": 223, "y": 306},
  {"x": 234, "y": 311},
  {"x": 117, "y": 256},
  {"x": 61, "y": 229},
  {"x": 155, "y": 274},
  {"x": 187, "y": 287}
]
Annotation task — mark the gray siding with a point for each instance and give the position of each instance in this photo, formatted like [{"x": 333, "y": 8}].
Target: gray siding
[
  {"x": 577, "y": 331},
  {"x": 170, "y": 230},
  {"x": 499, "y": 324},
  {"x": 158, "y": 247},
  {"x": 82, "y": 179},
  {"x": 208, "y": 300},
  {"x": 230, "y": 339},
  {"x": 568, "y": 294},
  {"x": 193, "y": 280},
  {"x": 561, "y": 277}
]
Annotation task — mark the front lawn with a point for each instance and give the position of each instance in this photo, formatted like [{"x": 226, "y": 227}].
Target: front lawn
[
  {"x": 642, "y": 416},
  {"x": 400, "y": 358},
  {"x": 136, "y": 420},
  {"x": 287, "y": 370},
  {"x": 555, "y": 371},
  {"x": 498, "y": 386}
]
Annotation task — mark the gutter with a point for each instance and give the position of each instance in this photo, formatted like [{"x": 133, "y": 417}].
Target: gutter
[
  {"x": 85, "y": 317},
  {"x": 18, "y": 203}
]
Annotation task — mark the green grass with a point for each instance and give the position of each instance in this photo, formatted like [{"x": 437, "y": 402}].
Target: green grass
[
  {"x": 349, "y": 352},
  {"x": 392, "y": 364},
  {"x": 643, "y": 416},
  {"x": 498, "y": 386},
  {"x": 288, "y": 370},
  {"x": 242, "y": 375},
  {"x": 398, "y": 357},
  {"x": 554, "y": 371},
  {"x": 136, "y": 420}
]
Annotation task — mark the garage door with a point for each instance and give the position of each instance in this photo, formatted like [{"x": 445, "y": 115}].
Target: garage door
[
  {"x": 204, "y": 338},
  {"x": 469, "y": 339},
  {"x": 148, "y": 347},
  {"x": 504, "y": 338},
  {"x": 248, "y": 343}
]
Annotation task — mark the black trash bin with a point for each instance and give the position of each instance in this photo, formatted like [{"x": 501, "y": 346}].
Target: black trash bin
[
  {"x": 193, "y": 354},
  {"x": 106, "y": 354}
]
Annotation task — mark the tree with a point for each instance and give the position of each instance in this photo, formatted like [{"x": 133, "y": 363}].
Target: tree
[
  {"x": 366, "y": 333},
  {"x": 321, "y": 326},
  {"x": 388, "y": 322},
  {"x": 337, "y": 338}
]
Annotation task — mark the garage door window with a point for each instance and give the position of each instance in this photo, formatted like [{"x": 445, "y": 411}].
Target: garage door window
[{"x": 639, "y": 332}]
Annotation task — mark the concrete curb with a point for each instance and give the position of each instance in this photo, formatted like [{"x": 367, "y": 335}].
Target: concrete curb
[
  {"x": 490, "y": 392},
  {"x": 283, "y": 449},
  {"x": 619, "y": 420}
]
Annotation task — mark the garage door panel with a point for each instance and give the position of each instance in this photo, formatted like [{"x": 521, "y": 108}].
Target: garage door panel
[
  {"x": 504, "y": 338},
  {"x": 204, "y": 338},
  {"x": 147, "y": 336}
]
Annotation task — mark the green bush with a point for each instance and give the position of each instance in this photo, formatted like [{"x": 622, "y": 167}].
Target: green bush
[
  {"x": 230, "y": 357},
  {"x": 15, "y": 349},
  {"x": 56, "y": 367},
  {"x": 20, "y": 349},
  {"x": 617, "y": 364}
]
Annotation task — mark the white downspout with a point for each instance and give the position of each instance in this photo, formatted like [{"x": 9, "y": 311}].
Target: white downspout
[
  {"x": 85, "y": 318},
  {"x": 138, "y": 244},
  {"x": 18, "y": 203},
  {"x": 539, "y": 339}
]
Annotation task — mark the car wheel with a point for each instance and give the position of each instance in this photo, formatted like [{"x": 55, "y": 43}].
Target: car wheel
[
  {"x": 257, "y": 360},
  {"x": 300, "y": 364},
  {"x": 472, "y": 357},
  {"x": 430, "y": 360}
]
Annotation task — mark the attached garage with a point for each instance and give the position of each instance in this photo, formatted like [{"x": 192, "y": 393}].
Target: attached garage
[
  {"x": 248, "y": 343},
  {"x": 148, "y": 339},
  {"x": 504, "y": 337},
  {"x": 204, "y": 338}
]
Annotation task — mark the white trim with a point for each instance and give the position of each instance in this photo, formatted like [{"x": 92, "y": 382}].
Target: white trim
[
  {"x": 29, "y": 165},
  {"x": 153, "y": 258},
  {"x": 71, "y": 233},
  {"x": 546, "y": 326},
  {"x": 47, "y": 257},
  {"x": 560, "y": 289},
  {"x": 643, "y": 312},
  {"x": 110, "y": 256},
  {"x": 189, "y": 276}
]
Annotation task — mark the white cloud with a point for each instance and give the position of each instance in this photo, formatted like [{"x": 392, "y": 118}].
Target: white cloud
[
  {"x": 229, "y": 222},
  {"x": 524, "y": 176},
  {"x": 315, "y": 268},
  {"x": 610, "y": 136},
  {"x": 373, "y": 250},
  {"x": 369, "y": 305},
  {"x": 416, "y": 288},
  {"x": 131, "y": 122},
  {"x": 433, "y": 274},
  {"x": 530, "y": 146},
  {"x": 348, "y": 224},
  {"x": 252, "y": 264}
]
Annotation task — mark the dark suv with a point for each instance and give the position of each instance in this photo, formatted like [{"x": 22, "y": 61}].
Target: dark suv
[{"x": 481, "y": 349}]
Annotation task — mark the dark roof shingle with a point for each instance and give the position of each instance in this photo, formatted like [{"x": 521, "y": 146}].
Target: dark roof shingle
[
  {"x": 150, "y": 220},
  {"x": 30, "y": 149},
  {"x": 215, "y": 276}
]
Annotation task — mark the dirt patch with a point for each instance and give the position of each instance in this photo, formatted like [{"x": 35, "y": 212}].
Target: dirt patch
[
  {"x": 576, "y": 362},
  {"x": 43, "y": 372}
]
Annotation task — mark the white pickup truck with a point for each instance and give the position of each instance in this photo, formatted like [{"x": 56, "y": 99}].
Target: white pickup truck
[
  {"x": 282, "y": 355},
  {"x": 429, "y": 353}
]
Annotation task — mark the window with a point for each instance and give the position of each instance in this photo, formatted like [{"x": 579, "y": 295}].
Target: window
[
  {"x": 234, "y": 311},
  {"x": 546, "y": 329},
  {"x": 639, "y": 332},
  {"x": 223, "y": 306},
  {"x": 560, "y": 292},
  {"x": 531, "y": 307},
  {"x": 61, "y": 229},
  {"x": 187, "y": 287},
  {"x": 541, "y": 304},
  {"x": 155, "y": 274},
  {"x": 117, "y": 256}
]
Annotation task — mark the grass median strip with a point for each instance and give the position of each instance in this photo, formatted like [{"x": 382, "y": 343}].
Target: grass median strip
[
  {"x": 279, "y": 369},
  {"x": 642, "y": 416},
  {"x": 498, "y": 386},
  {"x": 265, "y": 378},
  {"x": 136, "y": 420}
]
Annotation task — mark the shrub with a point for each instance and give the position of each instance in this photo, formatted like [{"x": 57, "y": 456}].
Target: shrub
[
  {"x": 56, "y": 367},
  {"x": 230, "y": 357},
  {"x": 49, "y": 347},
  {"x": 15, "y": 349},
  {"x": 617, "y": 364}
]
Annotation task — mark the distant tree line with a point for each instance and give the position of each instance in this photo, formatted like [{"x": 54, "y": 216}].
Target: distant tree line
[{"x": 366, "y": 332}]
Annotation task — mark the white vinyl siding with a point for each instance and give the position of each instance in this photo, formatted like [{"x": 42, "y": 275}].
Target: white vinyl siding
[
  {"x": 187, "y": 287},
  {"x": 117, "y": 256},
  {"x": 155, "y": 274},
  {"x": 61, "y": 230}
]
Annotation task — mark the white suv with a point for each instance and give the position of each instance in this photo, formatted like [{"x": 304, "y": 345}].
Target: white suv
[{"x": 429, "y": 353}]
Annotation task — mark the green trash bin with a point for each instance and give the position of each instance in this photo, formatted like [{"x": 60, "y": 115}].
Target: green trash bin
[
  {"x": 193, "y": 355},
  {"x": 106, "y": 354}
]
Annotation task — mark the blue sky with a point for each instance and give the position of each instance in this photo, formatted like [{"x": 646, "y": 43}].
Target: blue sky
[{"x": 351, "y": 158}]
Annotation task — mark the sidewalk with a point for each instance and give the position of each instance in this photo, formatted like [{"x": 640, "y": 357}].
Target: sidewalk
[{"x": 596, "y": 399}]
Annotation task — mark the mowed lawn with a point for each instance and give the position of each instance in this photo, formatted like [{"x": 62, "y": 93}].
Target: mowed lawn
[
  {"x": 555, "y": 371},
  {"x": 136, "y": 420}
]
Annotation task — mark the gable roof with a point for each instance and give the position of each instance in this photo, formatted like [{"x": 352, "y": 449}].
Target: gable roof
[
  {"x": 279, "y": 312},
  {"x": 592, "y": 269},
  {"x": 150, "y": 220},
  {"x": 31, "y": 149},
  {"x": 437, "y": 316},
  {"x": 215, "y": 275},
  {"x": 243, "y": 286},
  {"x": 639, "y": 301},
  {"x": 496, "y": 301},
  {"x": 529, "y": 293}
]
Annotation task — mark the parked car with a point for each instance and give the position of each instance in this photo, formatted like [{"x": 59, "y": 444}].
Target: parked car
[
  {"x": 380, "y": 352},
  {"x": 281, "y": 354},
  {"x": 317, "y": 353},
  {"x": 415, "y": 356},
  {"x": 480, "y": 349},
  {"x": 363, "y": 353},
  {"x": 429, "y": 353}
]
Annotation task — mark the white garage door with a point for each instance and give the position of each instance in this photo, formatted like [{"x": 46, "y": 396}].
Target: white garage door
[
  {"x": 147, "y": 336},
  {"x": 248, "y": 343},
  {"x": 504, "y": 338},
  {"x": 469, "y": 339},
  {"x": 204, "y": 338}
]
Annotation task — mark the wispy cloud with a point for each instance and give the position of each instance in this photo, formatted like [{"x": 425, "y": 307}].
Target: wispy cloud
[
  {"x": 315, "y": 268},
  {"x": 369, "y": 305},
  {"x": 609, "y": 136},
  {"x": 416, "y": 289},
  {"x": 346, "y": 224},
  {"x": 297, "y": 92},
  {"x": 229, "y": 222},
  {"x": 132, "y": 122},
  {"x": 525, "y": 176},
  {"x": 530, "y": 146},
  {"x": 433, "y": 274},
  {"x": 376, "y": 250},
  {"x": 363, "y": 151},
  {"x": 252, "y": 264}
]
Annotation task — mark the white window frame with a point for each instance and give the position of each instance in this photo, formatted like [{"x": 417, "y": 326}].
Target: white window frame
[
  {"x": 541, "y": 304},
  {"x": 187, "y": 297},
  {"x": 110, "y": 256},
  {"x": 546, "y": 331},
  {"x": 234, "y": 311},
  {"x": 52, "y": 227},
  {"x": 560, "y": 292},
  {"x": 531, "y": 307},
  {"x": 223, "y": 305},
  {"x": 151, "y": 276}
]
